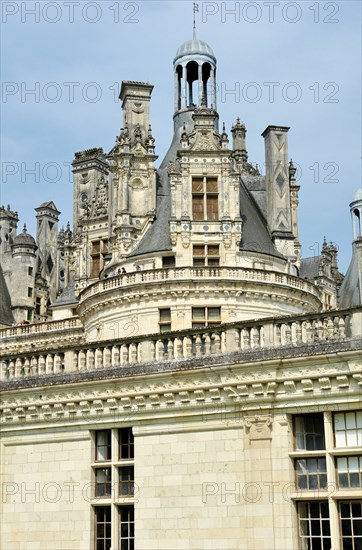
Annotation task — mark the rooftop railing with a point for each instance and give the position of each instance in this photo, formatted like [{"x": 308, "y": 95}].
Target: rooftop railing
[
  {"x": 242, "y": 336},
  {"x": 191, "y": 273}
]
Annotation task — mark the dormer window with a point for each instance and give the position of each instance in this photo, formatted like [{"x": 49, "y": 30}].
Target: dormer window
[{"x": 205, "y": 199}]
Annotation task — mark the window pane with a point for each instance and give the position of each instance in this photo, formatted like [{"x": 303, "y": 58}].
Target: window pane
[
  {"x": 198, "y": 313},
  {"x": 212, "y": 207},
  {"x": 197, "y": 185},
  {"x": 340, "y": 439},
  {"x": 103, "y": 445},
  {"x": 198, "y": 207},
  {"x": 359, "y": 419},
  {"x": 211, "y": 185},
  {"x": 126, "y": 442},
  {"x": 351, "y": 420},
  {"x": 339, "y": 423},
  {"x": 213, "y": 313},
  {"x": 199, "y": 250},
  {"x": 309, "y": 432},
  {"x": 165, "y": 315},
  {"x": 213, "y": 250}
]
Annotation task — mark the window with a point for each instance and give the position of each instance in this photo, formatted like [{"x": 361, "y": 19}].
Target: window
[
  {"x": 126, "y": 444},
  {"x": 168, "y": 262},
  {"x": 126, "y": 481},
  {"x": 165, "y": 320},
  {"x": 349, "y": 471},
  {"x": 314, "y": 469},
  {"x": 30, "y": 292},
  {"x": 116, "y": 446},
  {"x": 30, "y": 271},
  {"x": 38, "y": 305},
  {"x": 309, "y": 432},
  {"x": 205, "y": 316},
  {"x": 126, "y": 528},
  {"x": 206, "y": 255},
  {"x": 103, "y": 527},
  {"x": 348, "y": 429},
  {"x": 314, "y": 527},
  {"x": 351, "y": 524},
  {"x": 103, "y": 445},
  {"x": 205, "y": 199},
  {"x": 98, "y": 253},
  {"x": 311, "y": 473},
  {"x": 103, "y": 482}
]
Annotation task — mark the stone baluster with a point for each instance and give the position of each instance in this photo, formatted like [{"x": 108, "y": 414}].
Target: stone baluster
[
  {"x": 198, "y": 345},
  {"x": 207, "y": 343},
  {"x": 34, "y": 366},
  {"x": 287, "y": 333},
  {"x": 178, "y": 348},
  {"x": 341, "y": 328},
  {"x": 188, "y": 346},
  {"x": 298, "y": 332},
  {"x": 90, "y": 359},
  {"x": 49, "y": 364},
  {"x": 107, "y": 357},
  {"x": 278, "y": 335},
  {"x": 3, "y": 370},
  {"x": 160, "y": 350},
  {"x": 330, "y": 328},
  {"x": 133, "y": 353},
  {"x": 11, "y": 369},
  {"x": 26, "y": 366},
  {"x": 171, "y": 348},
  {"x": 18, "y": 368},
  {"x": 309, "y": 329},
  {"x": 115, "y": 355},
  {"x": 255, "y": 337},
  {"x": 98, "y": 358},
  {"x": 75, "y": 361},
  {"x": 124, "y": 354},
  {"x": 41, "y": 363},
  {"x": 82, "y": 360},
  {"x": 57, "y": 364},
  {"x": 216, "y": 346}
]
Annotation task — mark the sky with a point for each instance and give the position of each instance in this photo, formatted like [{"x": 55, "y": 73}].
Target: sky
[{"x": 293, "y": 64}]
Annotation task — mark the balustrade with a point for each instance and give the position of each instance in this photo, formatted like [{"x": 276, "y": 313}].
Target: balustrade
[{"x": 244, "y": 336}]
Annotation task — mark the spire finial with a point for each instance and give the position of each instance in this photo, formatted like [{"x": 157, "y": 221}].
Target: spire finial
[
  {"x": 24, "y": 228},
  {"x": 196, "y": 9}
]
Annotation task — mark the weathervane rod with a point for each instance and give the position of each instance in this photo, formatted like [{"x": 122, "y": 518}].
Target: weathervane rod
[{"x": 196, "y": 9}]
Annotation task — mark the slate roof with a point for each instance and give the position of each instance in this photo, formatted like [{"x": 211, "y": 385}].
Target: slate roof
[
  {"x": 350, "y": 293},
  {"x": 309, "y": 267},
  {"x": 67, "y": 297},
  {"x": 256, "y": 236},
  {"x": 6, "y": 314}
]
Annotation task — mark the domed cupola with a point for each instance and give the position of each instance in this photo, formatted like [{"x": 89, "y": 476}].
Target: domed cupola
[
  {"x": 24, "y": 243},
  {"x": 195, "y": 75}
]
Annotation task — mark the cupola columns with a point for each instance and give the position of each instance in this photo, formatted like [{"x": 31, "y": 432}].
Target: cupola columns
[
  {"x": 195, "y": 75},
  {"x": 356, "y": 215}
]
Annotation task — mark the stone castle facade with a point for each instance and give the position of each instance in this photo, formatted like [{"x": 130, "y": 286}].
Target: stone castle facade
[{"x": 181, "y": 376}]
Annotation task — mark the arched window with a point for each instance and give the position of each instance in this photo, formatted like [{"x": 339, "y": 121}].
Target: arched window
[{"x": 192, "y": 81}]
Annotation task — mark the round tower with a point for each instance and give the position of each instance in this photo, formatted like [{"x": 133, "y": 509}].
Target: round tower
[{"x": 356, "y": 214}]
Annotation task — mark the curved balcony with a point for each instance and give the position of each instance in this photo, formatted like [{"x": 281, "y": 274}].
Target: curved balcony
[{"x": 190, "y": 274}]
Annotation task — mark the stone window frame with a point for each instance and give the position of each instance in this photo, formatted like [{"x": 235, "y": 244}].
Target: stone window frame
[
  {"x": 332, "y": 495},
  {"x": 205, "y": 196},
  {"x": 203, "y": 256},
  {"x": 207, "y": 320},
  {"x": 118, "y": 456}
]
